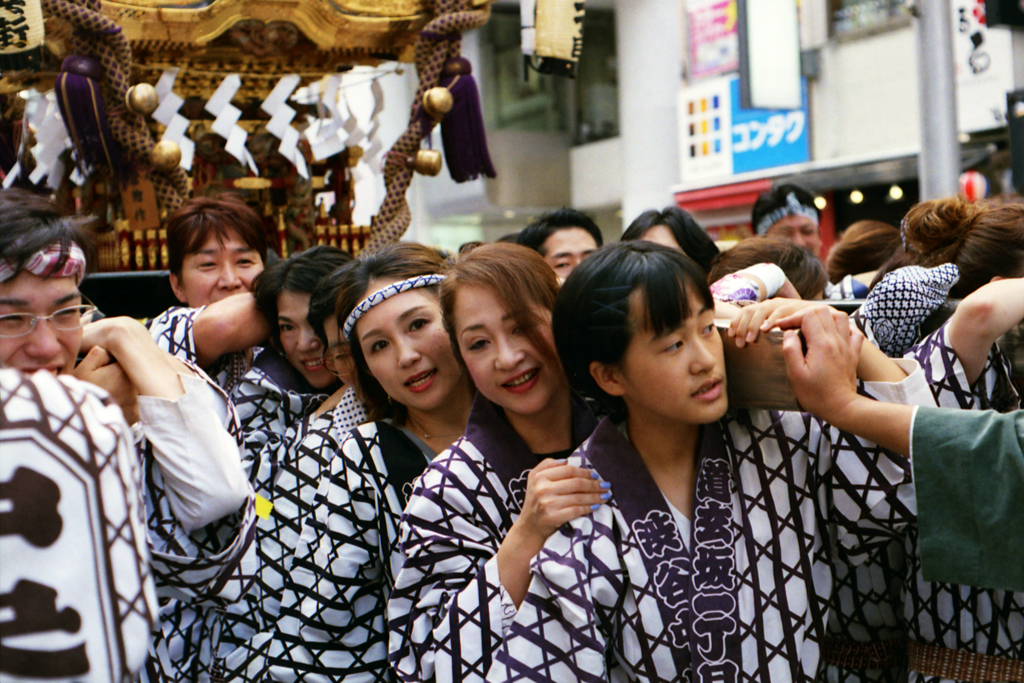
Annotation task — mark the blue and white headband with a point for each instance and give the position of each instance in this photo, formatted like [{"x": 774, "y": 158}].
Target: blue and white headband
[
  {"x": 793, "y": 207},
  {"x": 384, "y": 294}
]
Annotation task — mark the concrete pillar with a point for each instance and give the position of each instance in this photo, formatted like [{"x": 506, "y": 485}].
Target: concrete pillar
[
  {"x": 649, "y": 45},
  {"x": 939, "y": 162}
]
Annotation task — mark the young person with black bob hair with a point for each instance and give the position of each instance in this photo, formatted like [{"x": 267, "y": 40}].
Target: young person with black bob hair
[
  {"x": 563, "y": 237},
  {"x": 676, "y": 229},
  {"x": 712, "y": 558},
  {"x": 468, "y": 557},
  {"x": 285, "y": 378},
  {"x": 418, "y": 397}
]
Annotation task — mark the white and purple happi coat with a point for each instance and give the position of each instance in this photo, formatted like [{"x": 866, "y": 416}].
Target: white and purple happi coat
[
  {"x": 197, "y": 574},
  {"x": 867, "y": 631},
  {"x": 628, "y": 593},
  {"x": 287, "y": 451},
  {"x": 332, "y": 625},
  {"x": 874, "y": 601},
  {"x": 966, "y": 618},
  {"x": 287, "y": 479},
  {"x": 75, "y": 585},
  {"x": 448, "y": 613},
  {"x": 172, "y": 332}
]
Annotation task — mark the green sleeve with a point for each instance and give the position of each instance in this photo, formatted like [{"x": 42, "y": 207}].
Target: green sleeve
[{"x": 969, "y": 478}]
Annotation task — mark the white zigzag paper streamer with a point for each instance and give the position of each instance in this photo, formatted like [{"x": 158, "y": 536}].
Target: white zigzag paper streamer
[
  {"x": 351, "y": 125},
  {"x": 12, "y": 175},
  {"x": 51, "y": 140},
  {"x": 281, "y": 116},
  {"x": 226, "y": 123},
  {"x": 355, "y": 133},
  {"x": 328, "y": 140},
  {"x": 375, "y": 148},
  {"x": 176, "y": 124}
]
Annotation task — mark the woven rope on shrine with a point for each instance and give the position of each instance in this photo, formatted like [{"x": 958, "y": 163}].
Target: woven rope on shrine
[
  {"x": 98, "y": 37},
  {"x": 440, "y": 40}
]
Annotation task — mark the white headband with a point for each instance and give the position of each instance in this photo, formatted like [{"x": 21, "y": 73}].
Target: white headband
[
  {"x": 384, "y": 294},
  {"x": 44, "y": 263}
]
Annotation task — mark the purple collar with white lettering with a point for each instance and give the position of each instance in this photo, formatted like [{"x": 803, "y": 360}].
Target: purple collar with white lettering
[
  {"x": 696, "y": 589},
  {"x": 492, "y": 435}
]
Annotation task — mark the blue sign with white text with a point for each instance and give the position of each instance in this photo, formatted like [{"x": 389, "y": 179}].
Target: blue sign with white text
[{"x": 765, "y": 138}]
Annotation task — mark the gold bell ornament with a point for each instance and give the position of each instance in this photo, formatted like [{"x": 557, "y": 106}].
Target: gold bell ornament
[
  {"x": 437, "y": 102},
  {"x": 427, "y": 162},
  {"x": 142, "y": 99},
  {"x": 165, "y": 155}
]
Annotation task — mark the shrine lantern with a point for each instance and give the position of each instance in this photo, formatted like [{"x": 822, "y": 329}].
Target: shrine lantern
[{"x": 21, "y": 35}]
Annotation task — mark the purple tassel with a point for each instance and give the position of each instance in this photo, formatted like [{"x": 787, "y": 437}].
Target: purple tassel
[
  {"x": 81, "y": 107},
  {"x": 462, "y": 129}
]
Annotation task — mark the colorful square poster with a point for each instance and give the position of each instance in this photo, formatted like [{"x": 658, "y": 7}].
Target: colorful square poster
[
  {"x": 704, "y": 129},
  {"x": 713, "y": 37}
]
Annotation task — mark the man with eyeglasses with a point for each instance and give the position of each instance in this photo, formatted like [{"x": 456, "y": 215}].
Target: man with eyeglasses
[{"x": 198, "y": 502}]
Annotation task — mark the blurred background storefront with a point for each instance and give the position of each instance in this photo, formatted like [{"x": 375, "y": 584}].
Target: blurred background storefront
[{"x": 656, "y": 116}]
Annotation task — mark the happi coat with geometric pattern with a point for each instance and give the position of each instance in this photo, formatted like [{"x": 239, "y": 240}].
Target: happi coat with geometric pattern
[
  {"x": 333, "y": 626},
  {"x": 965, "y": 618},
  {"x": 449, "y": 610},
  {"x": 286, "y": 480},
  {"x": 287, "y": 450},
  {"x": 626, "y": 594},
  {"x": 873, "y": 601},
  {"x": 197, "y": 574},
  {"x": 172, "y": 331}
]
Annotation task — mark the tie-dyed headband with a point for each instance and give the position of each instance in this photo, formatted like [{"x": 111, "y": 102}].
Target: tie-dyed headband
[
  {"x": 45, "y": 263},
  {"x": 384, "y": 294}
]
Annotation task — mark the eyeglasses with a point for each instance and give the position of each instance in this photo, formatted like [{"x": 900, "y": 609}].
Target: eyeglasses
[
  {"x": 338, "y": 361},
  {"x": 70, "y": 318}
]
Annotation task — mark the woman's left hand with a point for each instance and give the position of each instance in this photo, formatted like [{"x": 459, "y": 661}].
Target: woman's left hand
[{"x": 757, "y": 318}]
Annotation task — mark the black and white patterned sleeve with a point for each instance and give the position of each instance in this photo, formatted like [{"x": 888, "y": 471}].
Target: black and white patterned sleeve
[
  {"x": 172, "y": 332},
  {"x": 214, "y": 563}
]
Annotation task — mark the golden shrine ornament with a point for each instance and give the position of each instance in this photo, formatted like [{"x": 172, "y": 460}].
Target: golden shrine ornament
[
  {"x": 437, "y": 102},
  {"x": 166, "y": 155},
  {"x": 142, "y": 99},
  {"x": 427, "y": 162}
]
